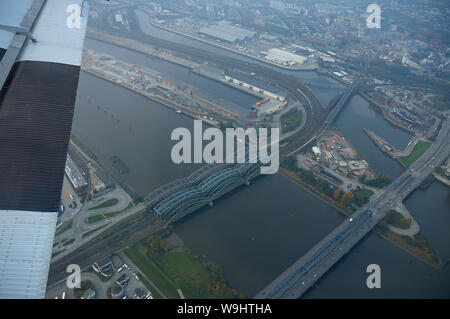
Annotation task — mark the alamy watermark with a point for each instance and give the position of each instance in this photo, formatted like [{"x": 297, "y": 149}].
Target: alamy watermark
[
  {"x": 235, "y": 150},
  {"x": 74, "y": 19},
  {"x": 374, "y": 19},
  {"x": 374, "y": 279},
  {"x": 74, "y": 279}
]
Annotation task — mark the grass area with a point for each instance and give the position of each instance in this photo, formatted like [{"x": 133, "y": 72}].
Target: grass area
[
  {"x": 362, "y": 196},
  {"x": 150, "y": 288},
  {"x": 96, "y": 218},
  {"x": 290, "y": 120},
  {"x": 189, "y": 274},
  {"x": 179, "y": 269},
  {"x": 68, "y": 242},
  {"x": 65, "y": 227},
  {"x": 88, "y": 233},
  {"x": 152, "y": 271},
  {"x": 417, "y": 245},
  {"x": 396, "y": 219},
  {"x": 109, "y": 203},
  {"x": 420, "y": 148}
]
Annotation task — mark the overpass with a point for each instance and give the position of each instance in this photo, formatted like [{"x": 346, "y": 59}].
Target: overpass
[{"x": 303, "y": 274}]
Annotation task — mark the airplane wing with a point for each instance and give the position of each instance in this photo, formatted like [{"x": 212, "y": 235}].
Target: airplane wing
[{"x": 41, "y": 44}]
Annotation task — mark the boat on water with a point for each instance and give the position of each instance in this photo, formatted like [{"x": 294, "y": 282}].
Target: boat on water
[{"x": 179, "y": 111}]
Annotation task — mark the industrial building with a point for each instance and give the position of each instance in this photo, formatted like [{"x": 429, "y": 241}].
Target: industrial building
[
  {"x": 269, "y": 107},
  {"x": 227, "y": 32},
  {"x": 75, "y": 177},
  {"x": 104, "y": 267},
  {"x": 282, "y": 56},
  {"x": 340, "y": 74},
  {"x": 254, "y": 88}
]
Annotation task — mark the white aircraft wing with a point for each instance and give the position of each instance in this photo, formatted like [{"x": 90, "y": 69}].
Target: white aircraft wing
[{"x": 41, "y": 44}]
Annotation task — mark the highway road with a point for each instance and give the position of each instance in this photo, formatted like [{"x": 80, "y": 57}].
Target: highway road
[{"x": 303, "y": 274}]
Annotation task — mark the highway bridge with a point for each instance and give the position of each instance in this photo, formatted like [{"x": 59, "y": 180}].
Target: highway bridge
[{"x": 303, "y": 274}]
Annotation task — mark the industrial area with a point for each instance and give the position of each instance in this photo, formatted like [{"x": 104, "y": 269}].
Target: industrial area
[{"x": 181, "y": 96}]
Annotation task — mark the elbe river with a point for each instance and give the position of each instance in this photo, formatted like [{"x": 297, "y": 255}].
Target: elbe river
[{"x": 256, "y": 232}]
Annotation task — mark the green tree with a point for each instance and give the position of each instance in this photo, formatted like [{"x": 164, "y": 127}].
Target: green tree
[
  {"x": 346, "y": 199},
  {"x": 156, "y": 244},
  {"x": 336, "y": 194}
]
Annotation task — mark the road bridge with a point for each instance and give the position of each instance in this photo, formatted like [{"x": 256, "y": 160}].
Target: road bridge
[{"x": 303, "y": 274}]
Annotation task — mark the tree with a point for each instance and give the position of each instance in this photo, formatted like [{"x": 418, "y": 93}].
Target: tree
[
  {"x": 156, "y": 244},
  {"x": 346, "y": 199},
  {"x": 336, "y": 194},
  {"x": 290, "y": 163}
]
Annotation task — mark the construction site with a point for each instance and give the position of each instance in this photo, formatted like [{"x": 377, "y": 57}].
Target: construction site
[{"x": 335, "y": 159}]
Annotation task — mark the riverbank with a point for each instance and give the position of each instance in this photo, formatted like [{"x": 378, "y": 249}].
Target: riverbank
[
  {"x": 442, "y": 179},
  {"x": 406, "y": 157},
  {"x": 175, "y": 268},
  {"x": 305, "y": 186},
  {"x": 416, "y": 245},
  {"x": 419, "y": 149},
  {"x": 384, "y": 113}
]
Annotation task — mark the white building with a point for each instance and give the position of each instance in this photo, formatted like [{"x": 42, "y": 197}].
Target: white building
[
  {"x": 316, "y": 151},
  {"x": 286, "y": 56}
]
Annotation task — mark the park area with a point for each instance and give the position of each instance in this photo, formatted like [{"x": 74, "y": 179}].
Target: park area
[
  {"x": 419, "y": 149},
  {"x": 175, "y": 269}
]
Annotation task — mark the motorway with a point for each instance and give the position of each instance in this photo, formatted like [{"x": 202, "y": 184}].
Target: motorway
[{"x": 303, "y": 274}]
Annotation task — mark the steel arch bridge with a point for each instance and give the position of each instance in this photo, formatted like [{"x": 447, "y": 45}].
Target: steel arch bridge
[{"x": 181, "y": 197}]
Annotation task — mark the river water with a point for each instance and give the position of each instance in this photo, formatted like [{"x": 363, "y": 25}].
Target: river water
[{"x": 256, "y": 232}]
